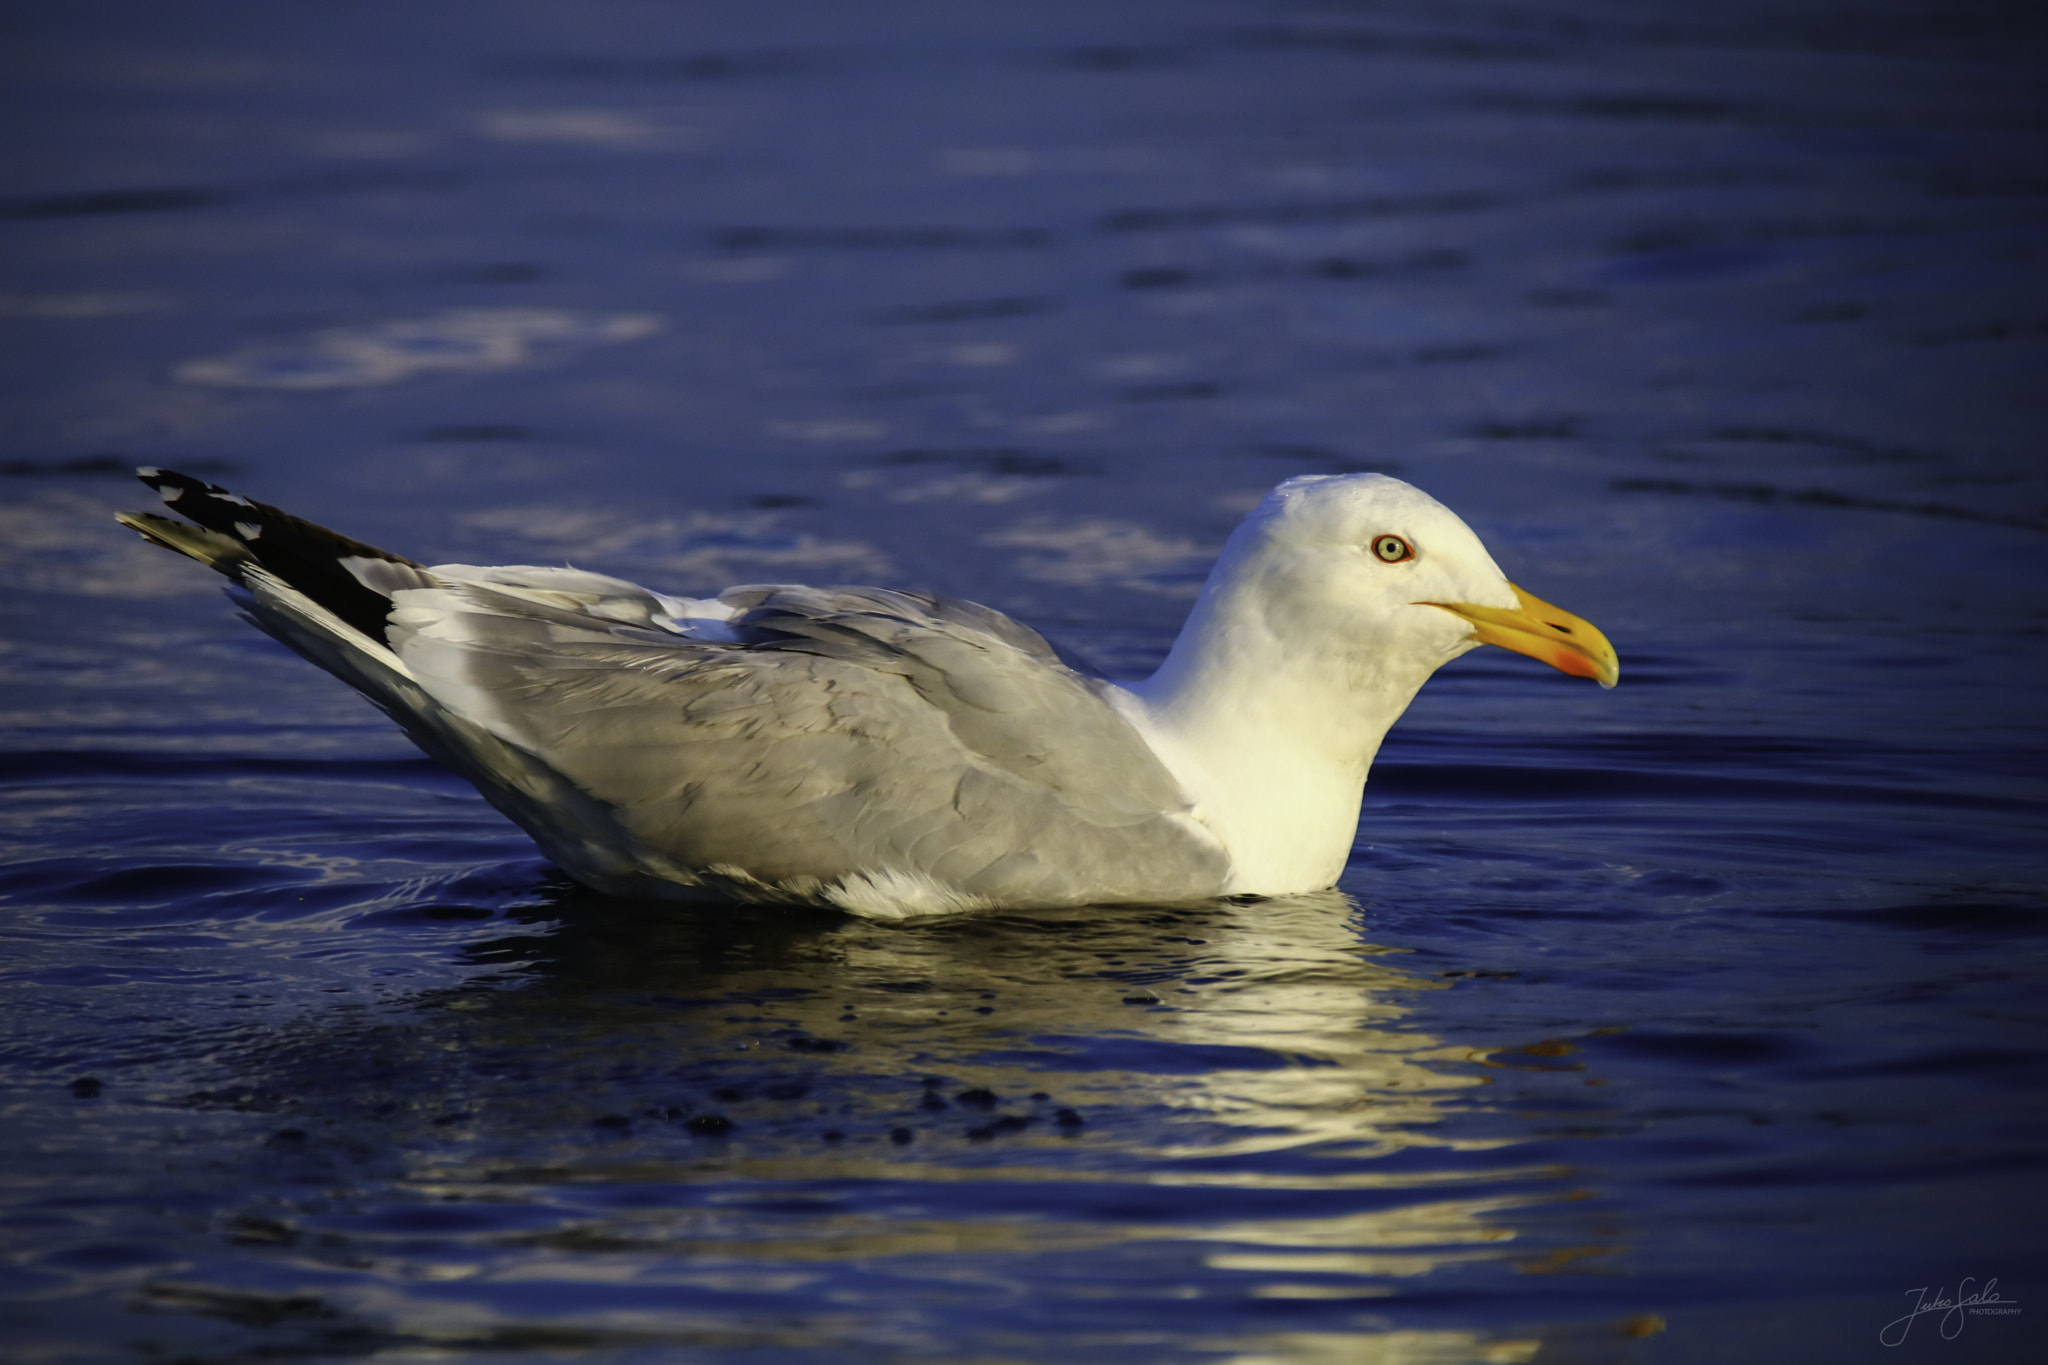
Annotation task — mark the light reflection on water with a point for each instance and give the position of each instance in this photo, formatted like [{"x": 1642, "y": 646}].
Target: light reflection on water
[{"x": 704, "y": 1116}]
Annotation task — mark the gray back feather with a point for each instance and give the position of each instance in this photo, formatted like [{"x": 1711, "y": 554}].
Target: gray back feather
[{"x": 827, "y": 734}]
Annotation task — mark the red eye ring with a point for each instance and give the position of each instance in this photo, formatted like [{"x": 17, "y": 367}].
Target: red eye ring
[{"x": 1392, "y": 549}]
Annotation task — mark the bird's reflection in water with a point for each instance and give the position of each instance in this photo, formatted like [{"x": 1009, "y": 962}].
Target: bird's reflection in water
[
  {"x": 818, "y": 1116},
  {"x": 1204, "y": 1031}
]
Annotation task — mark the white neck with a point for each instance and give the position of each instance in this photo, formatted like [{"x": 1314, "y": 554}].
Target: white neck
[{"x": 1270, "y": 720}]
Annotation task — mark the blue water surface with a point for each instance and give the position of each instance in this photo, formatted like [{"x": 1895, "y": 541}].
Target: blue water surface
[{"x": 1692, "y": 1022}]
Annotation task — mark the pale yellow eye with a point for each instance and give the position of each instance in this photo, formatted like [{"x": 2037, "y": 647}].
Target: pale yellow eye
[{"x": 1392, "y": 549}]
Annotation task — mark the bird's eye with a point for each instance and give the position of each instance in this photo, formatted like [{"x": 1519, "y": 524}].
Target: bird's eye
[{"x": 1392, "y": 549}]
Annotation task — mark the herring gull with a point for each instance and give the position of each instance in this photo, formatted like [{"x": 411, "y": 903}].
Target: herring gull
[{"x": 901, "y": 753}]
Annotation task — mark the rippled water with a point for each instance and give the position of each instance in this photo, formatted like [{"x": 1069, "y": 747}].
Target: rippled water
[{"x": 1695, "y": 1021}]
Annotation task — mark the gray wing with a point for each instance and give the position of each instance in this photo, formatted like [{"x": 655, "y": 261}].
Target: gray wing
[{"x": 838, "y": 744}]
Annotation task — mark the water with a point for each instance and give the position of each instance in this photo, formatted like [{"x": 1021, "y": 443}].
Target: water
[{"x": 1694, "y": 1021}]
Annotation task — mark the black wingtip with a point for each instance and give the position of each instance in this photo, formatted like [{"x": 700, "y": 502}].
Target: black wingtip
[
  {"x": 309, "y": 557},
  {"x": 170, "y": 485}
]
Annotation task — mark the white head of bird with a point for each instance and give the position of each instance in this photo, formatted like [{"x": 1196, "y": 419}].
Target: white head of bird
[{"x": 1330, "y": 606}]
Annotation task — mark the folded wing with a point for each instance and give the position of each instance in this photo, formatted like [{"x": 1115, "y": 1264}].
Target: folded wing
[
  {"x": 846, "y": 744},
  {"x": 885, "y": 751}
]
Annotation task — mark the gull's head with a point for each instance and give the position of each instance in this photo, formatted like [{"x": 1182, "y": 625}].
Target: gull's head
[{"x": 1390, "y": 580}]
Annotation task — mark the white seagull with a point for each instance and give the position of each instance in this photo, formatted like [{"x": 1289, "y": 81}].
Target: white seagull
[{"x": 899, "y": 753}]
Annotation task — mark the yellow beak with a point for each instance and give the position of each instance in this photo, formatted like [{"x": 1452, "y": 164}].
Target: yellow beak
[{"x": 1541, "y": 631}]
